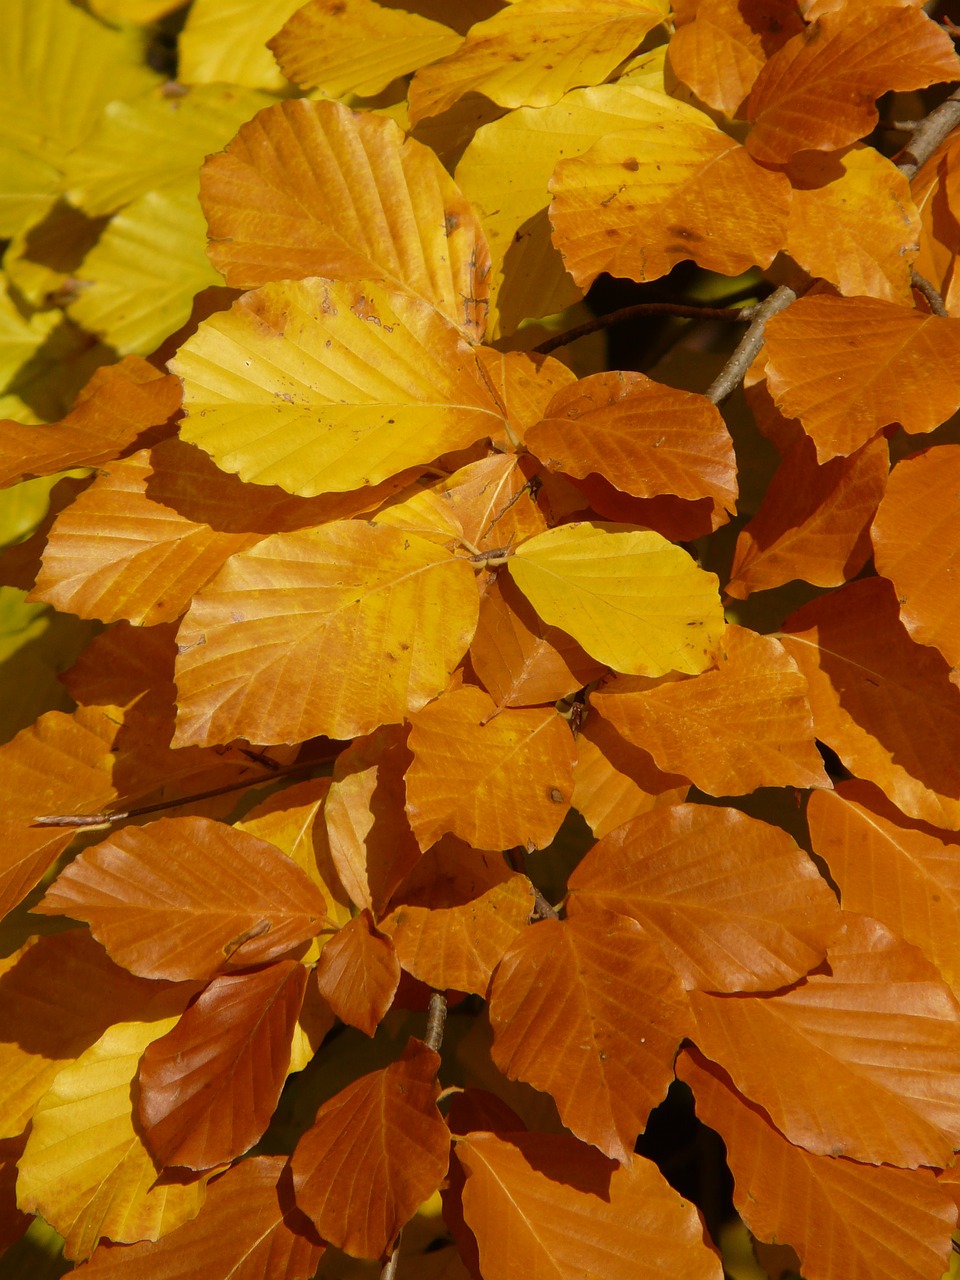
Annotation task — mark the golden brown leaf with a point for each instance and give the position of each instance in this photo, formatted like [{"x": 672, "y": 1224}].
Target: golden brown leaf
[{"x": 358, "y": 973}]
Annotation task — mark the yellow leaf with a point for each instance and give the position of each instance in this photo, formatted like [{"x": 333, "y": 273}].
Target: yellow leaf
[
  {"x": 504, "y": 173},
  {"x": 334, "y": 630},
  {"x": 58, "y": 69},
  {"x": 20, "y": 338},
  {"x": 320, "y": 386},
  {"x": 158, "y": 140},
  {"x": 530, "y": 54},
  {"x": 357, "y": 46},
  {"x": 225, "y": 41},
  {"x": 141, "y": 277},
  {"x": 631, "y": 598},
  {"x": 86, "y": 1168}
]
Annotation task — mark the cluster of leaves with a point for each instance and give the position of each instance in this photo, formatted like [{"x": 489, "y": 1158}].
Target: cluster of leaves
[{"x": 305, "y": 505}]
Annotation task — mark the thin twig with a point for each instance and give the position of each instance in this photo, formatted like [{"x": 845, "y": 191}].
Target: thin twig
[
  {"x": 750, "y": 344},
  {"x": 929, "y": 291},
  {"x": 544, "y": 909},
  {"x": 436, "y": 1019},
  {"x": 107, "y": 819},
  {"x": 685, "y": 310},
  {"x": 928, "y": 135},
  {"x": 390, "y": 1266}
]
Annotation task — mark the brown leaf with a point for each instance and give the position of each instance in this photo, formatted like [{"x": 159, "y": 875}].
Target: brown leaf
[
  {"x": 735, "y": 904},
  {"x": 185, "y": 897},
  {"x": 375, "y": 1152},
  {"x": 866, "y": 1052},
  {"x": 246, "y": 1230},
  {"x": 745, "y": 725},
  {"x": 209, "y": 1087},
  {"x": 886, "y": 1224},
  {"x": 609, "y": 1060},
  {"x": 546, "y": 1205},
  {"x": 358, "y": 973}
]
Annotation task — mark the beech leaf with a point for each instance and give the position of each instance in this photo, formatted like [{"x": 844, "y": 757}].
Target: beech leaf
[
  {"x": 631, "y": 598},
  {"x": 184, "y": 897},
  {"x": 358, "y": 973},
  {"x": 390, "y": 1119}
]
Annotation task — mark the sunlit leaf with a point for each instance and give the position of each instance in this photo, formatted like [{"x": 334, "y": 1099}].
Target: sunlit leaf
[
  {"x": 866, "y": 1052},
  {"x": 546, "y": 1205},
  {"x": 208, "y": 1087},
  {"x": 357, "y": 48},
  {"x": 59, "y": 67},
  {"x": 494, "y": 779},
  {"x": 375, "y": 1152},
  {"x": 185, "y": 897},
  {"x": 494, "y": 501},
  {"x": 632, "y": 600},
  {"x": 388, "y": 381},
  {"x": 313, "y": 189},
  {"x": 85, "y": 1167},
  {"x": 852, "y": 222},
  {"x": 244, "y": 1231},
  {"x": 358, "y": 973},
  {"x": 734, "y": 903},
  {"x": 916, "y": 544},
  {"x": 848, "y": 366},
  {"x": 637, "y": 203},
  {"x": 530, "y": 54},
  {"x": 59, "y": 995},
  {"x": 745, "y": 725},
  {"x": 885, "y": 704},
  {"x": 360, "y": 622},
  {"x": 118, "y": 403},
  {"x": 886, "y": 1224},
  {"x": 817, "y": 92},
  {"x": 225, "y": 41},
  {"x": 813, "y": 523},
  {"x": 903, "y": 875},
  {"x": 643, "y": 437},
  {"x": 609, "y": 1061},
  {"x": 720, "y": 52},
  {"x": 138, "y": 282}
]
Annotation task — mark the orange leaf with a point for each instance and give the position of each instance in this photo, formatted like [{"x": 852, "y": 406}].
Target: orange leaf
[
  {"x": 614, "y": 781},
  {"x": 184, "y": 897},
  {"x": 813, "y": 523},
  {"x": 609, "y": 1061},
  {"x": 371, "y": 843},
  {"x": 637, "y": 203},
  {"x": 13, "y": 1223},
  {"x": 117, "y": 405},
  {"x": 817, "y": 92},
  {"x": 358, "y": 973},
  {"x": 519, "y": 658},
  {"x": 59, "y": 994},
  {"x": 209, "y": 1087},
  {"x": 866, "y": 1052},
  {"x": 493, "y": 500},
  {"x": 469, "y": 909},
  {"x": 916, "y": 540},
  {"x": 376, "y": 1151},
  {"x": 245, "y": 1231},
  {"x": 734, "y": 903},
  {"x": 678, "y": 519},
  {"x": 745, "y": 725},
  {"x": 905, "y": 875},
  {"x": 524, "y": 384},
  {"x": 494, "y": 779},
  {"x": 532, "y": 53},
  {"x": 544, "y": 1204},
  {"x": 643, "y": 437},
  {"x": 315, "y": 189},
  {"x": 853, "y": 222},
  {"x": 358, "y": 623},
  {"x": 846, "y": 367},
  {"x": 720, "y": 53},
  {"x": 883, "y": 1222},
  {"x": 884, "y": 704}
]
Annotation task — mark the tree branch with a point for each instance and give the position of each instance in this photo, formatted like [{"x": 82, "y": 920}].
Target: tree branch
[
  {"x": 436, "y": 1019},
  {"x": 685, "y": 310},
  {"x": 928, "y": 135},
  {"x": 923, "y": 285},
  {"x": 749, "y": 345}
]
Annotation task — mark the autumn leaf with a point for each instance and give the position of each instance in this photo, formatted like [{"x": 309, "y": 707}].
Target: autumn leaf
[
  {"x": 632, "y": 599},
  {"x": 358, "y": 973}
]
